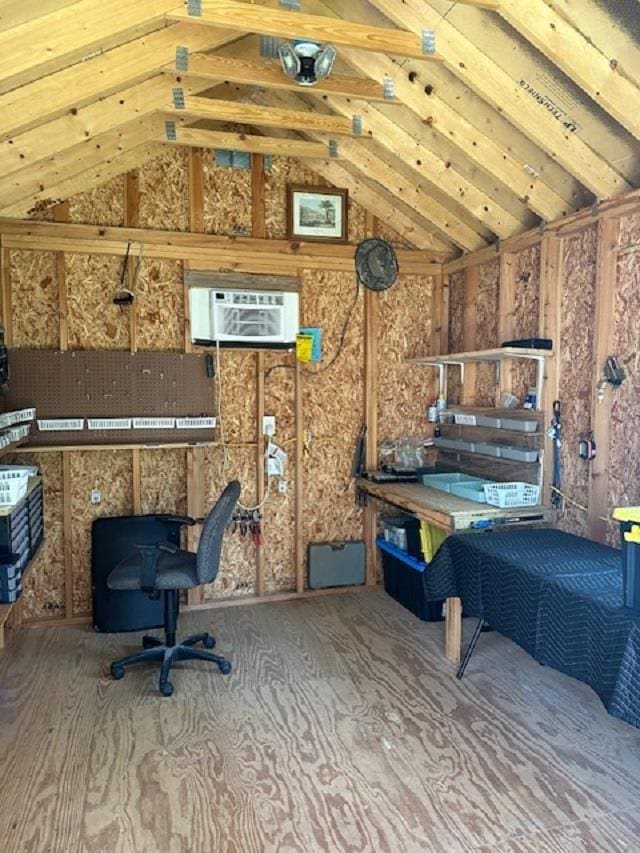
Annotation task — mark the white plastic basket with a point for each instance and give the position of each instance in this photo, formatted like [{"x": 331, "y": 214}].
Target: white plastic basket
[
  {"x": 505, "y": 495},
  {"x": 109, "y": 423},
  {"x": 17, "y": 433},
  {"x": 61, "y": 424},
  {"x": 7, "y": 471},
  {"x": 195, "y": 423},
  {"x": 154, "y": 423},
  {"x": 13, "y": 489}
]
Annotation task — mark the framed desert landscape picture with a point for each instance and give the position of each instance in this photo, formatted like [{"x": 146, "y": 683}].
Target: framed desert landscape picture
[{"x": 317, "y": 213}]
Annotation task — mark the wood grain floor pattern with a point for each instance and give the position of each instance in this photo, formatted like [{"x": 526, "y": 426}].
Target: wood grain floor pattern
[{"x": 341, "y": 728}]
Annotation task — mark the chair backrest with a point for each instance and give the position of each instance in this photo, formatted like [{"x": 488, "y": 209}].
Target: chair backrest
[{"x": 213, "y": 531}]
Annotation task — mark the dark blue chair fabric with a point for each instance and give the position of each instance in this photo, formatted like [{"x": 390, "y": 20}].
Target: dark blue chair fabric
[{"x": 558, "y": 596}]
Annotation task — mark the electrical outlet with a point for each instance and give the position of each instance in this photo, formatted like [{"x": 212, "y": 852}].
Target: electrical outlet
[
  {"x": 268, "y": 425},
  {"x": 282, "y": 487},
  {"x": 96, "y": 496}
]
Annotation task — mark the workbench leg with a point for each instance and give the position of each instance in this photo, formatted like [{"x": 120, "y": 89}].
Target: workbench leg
[{"x": 453, "y": 630}]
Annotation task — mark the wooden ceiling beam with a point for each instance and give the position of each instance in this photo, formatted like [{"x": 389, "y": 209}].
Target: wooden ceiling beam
[
  {"x": 70, "y": 34},
  {"x": 87, "y": 180},
  {"x": 37, "y": 181},
  {"x": 578, "y": 58},
  {"x": 282, "y": 146},
  {"x": 68, "y": 90},
  {"x": 245, "y": 18},
  {"x": 468, "y": 62},
  {"x": 254, "y": 114},
  {"x": 477, "y": 146},
  {"x": 227, "y": 252},
  {"x": 269, "y": 75}
]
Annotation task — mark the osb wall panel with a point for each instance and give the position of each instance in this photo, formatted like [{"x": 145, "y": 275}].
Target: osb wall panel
[
  {"x": 34, "y": 300},
  {"x": 238, "y": 388},
  {"x": 404, "y": 390},
  {"x": 283, "y": 171},
  {"x": 236, "y": 576},
  {"x": 624, "y": 447},
  {"x": 333, "y": 409},
  {"x": 526, "y": 316},
  {"x": 630, "y": 231},
  {"x": 163, "y": 480},
  {"x": 44, "y": 588},
  {"x": 164, "y": 187},
  {"x": 576, "y": 370},
  {"x": 456, "y": 332},
  {"x": 94, "y": 321},
  {"x": 487, "y": 330},
  {"x": 159, "y": 306},
  {"x": 101, "y": 206},
  {"x": 279, "y": 510},
  {"x": 227, "y": 198},
  {"x": 110, "y": 473}
]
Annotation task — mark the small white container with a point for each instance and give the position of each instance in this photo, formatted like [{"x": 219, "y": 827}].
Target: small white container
[{"x": 509, "y": 401}]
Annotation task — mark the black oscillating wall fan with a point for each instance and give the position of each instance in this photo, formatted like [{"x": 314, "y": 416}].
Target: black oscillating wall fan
[{"x": 376, "y": 264}]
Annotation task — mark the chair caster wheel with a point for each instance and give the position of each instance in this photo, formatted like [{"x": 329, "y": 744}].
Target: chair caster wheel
[
  {"x": 117, "y": 672},
  {"x": 224, "y": 667},
  {"x": 166, "y": 688},
  {"x": 209, "y": 643}
]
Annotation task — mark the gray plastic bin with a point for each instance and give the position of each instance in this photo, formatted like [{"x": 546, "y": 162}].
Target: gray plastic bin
[
  {"x": 519, "y": 454},
  {"x": 486, "y": 449},
  {"x": 520, "y": 425}
]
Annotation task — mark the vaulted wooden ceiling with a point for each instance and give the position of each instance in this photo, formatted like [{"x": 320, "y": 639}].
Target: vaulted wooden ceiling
[{"x": 527, "y": 110}]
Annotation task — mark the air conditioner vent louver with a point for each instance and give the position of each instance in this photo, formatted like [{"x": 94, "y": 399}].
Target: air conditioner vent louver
[{"x": 250, "y": 322}]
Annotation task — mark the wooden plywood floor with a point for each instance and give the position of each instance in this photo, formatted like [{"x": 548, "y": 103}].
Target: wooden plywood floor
[{"x": 341, "y": 729}]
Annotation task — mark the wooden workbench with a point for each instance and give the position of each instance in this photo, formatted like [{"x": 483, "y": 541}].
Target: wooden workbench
[{"x": 454, "y": 515}]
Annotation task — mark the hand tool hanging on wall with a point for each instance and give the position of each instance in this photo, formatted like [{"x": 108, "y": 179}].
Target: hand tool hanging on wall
[
  {"x": 125, "y": 295},
  {"x": 554, "y": 433}
]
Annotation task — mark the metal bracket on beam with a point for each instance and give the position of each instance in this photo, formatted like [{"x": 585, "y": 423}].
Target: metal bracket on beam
[
  {"x": 389, "y": 88},
  {"x": 291, "y": 5},
  {"x": 595, "y": 208},
  {"x": 542, "y": 227},
  {"x": 170, "y": 131},
  {"x": 178, "y": 98},
  {"x": 428, "y": 41},
  {"x": 182, "y": 59},
  {"x": 357, "y": 125},
  {"x": 194, "y": 7},
  {"x": 333, "y": 148}
]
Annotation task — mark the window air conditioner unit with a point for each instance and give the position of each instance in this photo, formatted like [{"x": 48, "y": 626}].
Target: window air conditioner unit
[{"x": 264, "y": 318}]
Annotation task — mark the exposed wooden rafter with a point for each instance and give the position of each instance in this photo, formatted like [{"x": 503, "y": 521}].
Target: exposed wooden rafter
[
  {"x": 467, "y": 61},
  {"x": 284, "y": 147},
  {"x": 49, "y": 43},
  {"x": 245, "y": 18},
  {"x": 250, "y": 113},
  {"x": 574, "y": 54}
]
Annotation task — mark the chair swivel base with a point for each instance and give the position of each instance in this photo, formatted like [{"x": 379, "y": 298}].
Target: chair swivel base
[{"x": 156, "y": 651}]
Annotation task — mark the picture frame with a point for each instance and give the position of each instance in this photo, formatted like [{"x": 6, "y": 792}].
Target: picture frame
[{"x": 319, "y": 214}]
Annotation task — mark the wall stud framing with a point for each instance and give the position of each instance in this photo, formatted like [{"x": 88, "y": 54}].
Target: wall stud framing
[
  {"x": 469, "y": 324},
  {"x": 371, "y": 331},
  {"x": 61, "y": 214},
  {"x": 606, "y": 285}
]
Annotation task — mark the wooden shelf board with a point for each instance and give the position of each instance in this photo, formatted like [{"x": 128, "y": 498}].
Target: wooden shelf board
[
  {"x": 499, "y": 354},
  {"x": 56, "y": 448}
]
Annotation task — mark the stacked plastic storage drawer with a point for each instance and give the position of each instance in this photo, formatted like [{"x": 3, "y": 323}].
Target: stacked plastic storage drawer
[
  {"x": 15, "y": 550},
  {"x": 35, "y": 502},
  {"x": 10, "y": 579}
]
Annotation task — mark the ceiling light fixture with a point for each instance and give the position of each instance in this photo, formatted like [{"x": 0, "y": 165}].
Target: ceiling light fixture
[{"x": 306, "y": 62}]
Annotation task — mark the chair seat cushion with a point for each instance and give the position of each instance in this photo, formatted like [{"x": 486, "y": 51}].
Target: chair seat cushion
[{"x": 174, "y": 571}]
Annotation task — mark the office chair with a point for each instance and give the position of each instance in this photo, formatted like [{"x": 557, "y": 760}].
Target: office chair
[{"x": 165, "y": 569}]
